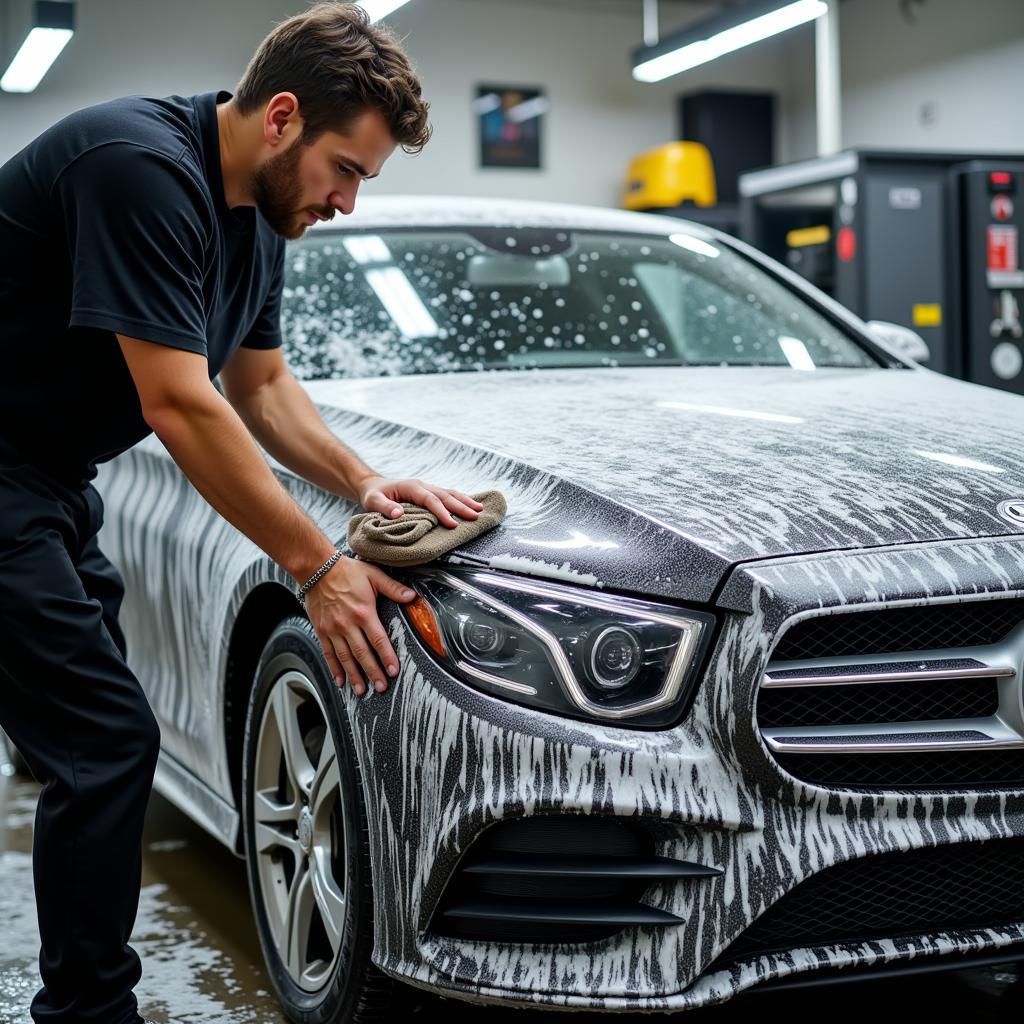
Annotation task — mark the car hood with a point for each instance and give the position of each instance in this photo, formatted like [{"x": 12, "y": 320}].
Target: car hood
[{"x": 734, "y": 463}]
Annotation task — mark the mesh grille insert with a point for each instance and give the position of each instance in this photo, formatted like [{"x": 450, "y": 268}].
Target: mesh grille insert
[
  {"x": 907, "y": 701},
  {"x": 932, "y": 627},
  {"x": 960, "y": 886}
]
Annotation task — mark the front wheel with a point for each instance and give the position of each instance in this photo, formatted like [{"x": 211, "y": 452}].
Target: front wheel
[{"x": 306, "y": 847}]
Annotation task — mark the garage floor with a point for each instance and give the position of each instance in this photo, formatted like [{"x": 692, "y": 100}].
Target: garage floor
[{"x": 201, "y": 958}]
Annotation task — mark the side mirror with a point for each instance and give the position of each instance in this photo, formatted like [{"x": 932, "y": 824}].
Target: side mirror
[{"x": 902, "y": 340}]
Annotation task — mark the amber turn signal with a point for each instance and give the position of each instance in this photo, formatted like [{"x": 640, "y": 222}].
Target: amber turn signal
[{"x": 423, "y": 619}]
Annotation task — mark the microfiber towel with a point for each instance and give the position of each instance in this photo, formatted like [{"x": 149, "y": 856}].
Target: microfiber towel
[{"x": 416, "y": 536}]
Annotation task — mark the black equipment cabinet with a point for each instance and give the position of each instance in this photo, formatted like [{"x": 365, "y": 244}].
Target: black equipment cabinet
[
  {"x": 991, "y": 282},
  {"x": 738, "y": 129},
  {"x": 913, "y": 238}
]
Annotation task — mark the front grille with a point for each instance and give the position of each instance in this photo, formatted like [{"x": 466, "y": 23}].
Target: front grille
[
  {"x": 878, "y": 702},
  {"x": 557, "y": 879},
  {"x": 903, "y": 893},
  {"x": 927, "y": 627},
  {"x": 901, "y": 699}
]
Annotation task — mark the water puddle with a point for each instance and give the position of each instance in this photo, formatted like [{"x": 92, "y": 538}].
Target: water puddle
[{"x": 194, "y": 930}]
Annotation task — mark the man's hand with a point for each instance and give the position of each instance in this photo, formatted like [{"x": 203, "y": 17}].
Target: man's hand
[
  {"x": 377, "y": 494},
  {"x": 342, "y": 607}
]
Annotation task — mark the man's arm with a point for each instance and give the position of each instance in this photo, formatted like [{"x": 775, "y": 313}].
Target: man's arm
[
  {"x": 209, "y": 442},
  {"x": 282, "y": 417}
]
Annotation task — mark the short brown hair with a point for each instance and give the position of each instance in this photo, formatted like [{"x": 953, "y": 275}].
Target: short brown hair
[{"x": 338, "y": 65}]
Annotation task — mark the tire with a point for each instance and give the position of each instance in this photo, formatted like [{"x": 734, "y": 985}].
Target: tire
[{"x": 309, "y": 862}]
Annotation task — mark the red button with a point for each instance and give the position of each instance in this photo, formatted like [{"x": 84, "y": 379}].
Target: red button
[
  {"x": 846, "y": 244},
  {"x": 1002, "y": 207}
]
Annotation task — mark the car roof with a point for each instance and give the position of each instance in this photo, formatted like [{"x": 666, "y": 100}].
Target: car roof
[{"x": 423, "y": 211}]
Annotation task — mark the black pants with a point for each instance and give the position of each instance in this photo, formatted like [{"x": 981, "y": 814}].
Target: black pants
[{"x": 80, "y": 719}]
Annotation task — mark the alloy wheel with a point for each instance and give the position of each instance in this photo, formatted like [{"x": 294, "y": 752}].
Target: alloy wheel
[{"x": 299, "y": 830}]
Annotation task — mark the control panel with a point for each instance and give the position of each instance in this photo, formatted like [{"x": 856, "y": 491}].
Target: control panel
[{"x": 992, "y": 279}]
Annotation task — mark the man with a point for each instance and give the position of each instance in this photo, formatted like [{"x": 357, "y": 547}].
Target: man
[{"x": 141, "y": 255}]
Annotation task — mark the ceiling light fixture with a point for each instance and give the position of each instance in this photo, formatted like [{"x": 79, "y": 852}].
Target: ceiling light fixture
[
  {"x": 401, "y": 300},
  {"x": 527, "y": 110},
  {"x": 731, "y": 30},
  {"x": 53, "y": 25},
  {"x": 378, "y": 9},
  {"x": 724, "y": 410}
]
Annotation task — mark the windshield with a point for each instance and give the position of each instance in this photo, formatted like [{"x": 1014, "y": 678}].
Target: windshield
[{"x": 431, "y": 301}]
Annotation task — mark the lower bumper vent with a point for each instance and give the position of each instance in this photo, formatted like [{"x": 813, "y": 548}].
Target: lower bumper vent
[{"x": 558, "y": 879}]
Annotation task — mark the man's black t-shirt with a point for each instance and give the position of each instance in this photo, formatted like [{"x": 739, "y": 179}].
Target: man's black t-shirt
[{"x": 115, "y": 220}]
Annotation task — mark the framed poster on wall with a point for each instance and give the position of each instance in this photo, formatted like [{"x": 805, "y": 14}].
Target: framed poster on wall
[{"x": 509, "y": 120}]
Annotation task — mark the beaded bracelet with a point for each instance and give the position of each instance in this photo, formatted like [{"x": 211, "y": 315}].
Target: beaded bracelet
[{"x": 301, "y": 592}]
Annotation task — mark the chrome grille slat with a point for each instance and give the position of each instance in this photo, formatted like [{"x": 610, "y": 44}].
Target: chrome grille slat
[
  {"x": 962, "y": 734},
  {"x": 885, "y": 672}
]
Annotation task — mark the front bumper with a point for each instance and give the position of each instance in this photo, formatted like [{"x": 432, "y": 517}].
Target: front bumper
[{"x": 443, "y": 762}]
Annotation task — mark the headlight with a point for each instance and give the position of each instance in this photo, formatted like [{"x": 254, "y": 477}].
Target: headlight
[
  {"x": 560, "y": 648},
  {"x": 614, "y": 660}
]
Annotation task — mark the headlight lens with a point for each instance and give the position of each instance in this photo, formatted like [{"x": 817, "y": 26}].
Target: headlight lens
[
  {"x": 614, "y": 658},
  {"x": 561, "y": 648},
  {"x": 483, "y": 639}
]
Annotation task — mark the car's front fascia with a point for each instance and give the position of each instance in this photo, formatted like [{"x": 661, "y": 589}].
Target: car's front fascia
[{"x": 452, "y": 763}]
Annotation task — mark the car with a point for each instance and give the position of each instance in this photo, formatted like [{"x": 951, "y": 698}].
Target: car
[{"x": 731, "y": 698}]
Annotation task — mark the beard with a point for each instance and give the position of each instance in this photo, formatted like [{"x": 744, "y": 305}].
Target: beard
[{"x": 277, "y": 189}]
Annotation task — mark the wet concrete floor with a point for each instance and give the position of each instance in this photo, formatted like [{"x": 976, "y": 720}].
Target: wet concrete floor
[{"x": 202, "y": 962}]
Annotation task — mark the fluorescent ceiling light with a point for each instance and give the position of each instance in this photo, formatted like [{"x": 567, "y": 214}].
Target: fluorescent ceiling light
[
  {"x": 486, "y": 103},
  {"x": 52, "y": 27},
  {"x": 368, "y": 249},
  {"x": 399, "y": 298},
  {"x": 959, "y": 460},
  {"x": 378, "y": 9},
  {"x": 528, "y": 109},
  {"x": 796, "y": 353},
  {"x": 697, "y": 245},
  {"x": 724, "y": 410},
  {"x": 720, "y": 35},
  {"x": 40, "y": 49},
  {"x": 576, "y": 541}
]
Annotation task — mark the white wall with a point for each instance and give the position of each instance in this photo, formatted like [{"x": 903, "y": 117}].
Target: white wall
[
  {"x": 963, "y": 59},
  {"x": 599, "y": 116}
]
